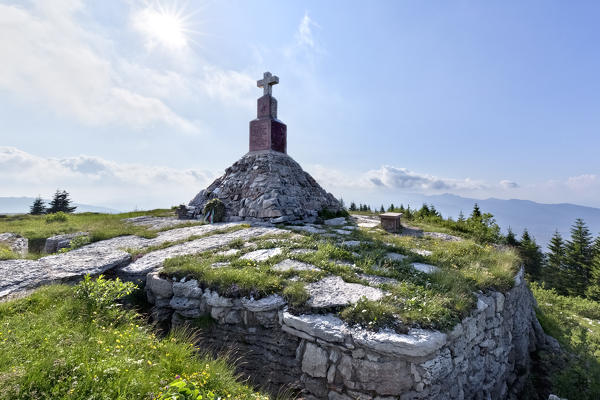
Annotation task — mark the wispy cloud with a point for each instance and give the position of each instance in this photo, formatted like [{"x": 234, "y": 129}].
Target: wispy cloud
[
  {"x": 98, "y": 181},
  {"x": 52, "y": 60},
  {"x": 506, "y": 184},
  {"x": 394, "y": 178}
]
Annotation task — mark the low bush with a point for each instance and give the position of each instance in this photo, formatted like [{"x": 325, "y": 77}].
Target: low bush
[
  {"x": 6, "y": 253},
  {"x": 214, "y": 210},
  {"x": 57, "y": 217}
]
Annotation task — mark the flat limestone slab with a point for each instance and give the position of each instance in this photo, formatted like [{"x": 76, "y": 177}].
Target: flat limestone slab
[
  {"x": 328, "y": 327},
  {"x": 308, "y": 228},
  {"x": 147, "y": 263},
  {"x": 288, "y": 264},
  {"x": 426, "y": 268},
  {"x": 422, "y": 252},
  {"x": 365, "y": 221},
  {"x": 262, "y": 254},
  {"x": 332, "y": 291},
  {"x": 157, "y": 223},
  {"x": 22, "y": 275}
]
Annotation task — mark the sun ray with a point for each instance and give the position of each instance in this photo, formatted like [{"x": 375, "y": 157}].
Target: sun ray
[{"x": 165, "y": 24}]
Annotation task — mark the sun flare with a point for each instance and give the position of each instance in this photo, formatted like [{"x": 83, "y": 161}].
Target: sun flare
[{"x": 165, "y": 26}]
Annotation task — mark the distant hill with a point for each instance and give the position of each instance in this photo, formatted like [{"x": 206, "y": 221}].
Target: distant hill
[
  {"x": 540, "y": 219},
  {"x": 19, "y": 205}
]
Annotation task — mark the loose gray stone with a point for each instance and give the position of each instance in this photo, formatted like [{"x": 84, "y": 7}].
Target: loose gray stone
[
  {"x": 262, "y": 254},
  {"x": 426, "y": 268},
  {"x": 351, "y": 243},
  {"x": 336, "y": 221},
  {"x": 422, "y": 252},
  {"x": 334, "y": 292},
  {"x": 226, "y": 253},
  {"x": 288, "y": 264}
]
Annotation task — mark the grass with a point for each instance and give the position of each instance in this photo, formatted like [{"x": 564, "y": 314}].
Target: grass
[
  {"x": 6, "y": 253},
  {"x": 100, "y": 226},
  {"x": 51, "y": 348},
  {"x": 575, "y": 323},
  {"x": 437, "y": 300}
]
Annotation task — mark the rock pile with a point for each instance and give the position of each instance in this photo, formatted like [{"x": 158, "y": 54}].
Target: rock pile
[{"x": 266, "y": 186}]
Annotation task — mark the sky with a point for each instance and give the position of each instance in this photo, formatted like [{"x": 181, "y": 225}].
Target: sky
[{"x": 141, "y": 104}]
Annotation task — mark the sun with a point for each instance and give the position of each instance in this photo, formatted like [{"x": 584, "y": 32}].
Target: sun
[{"x": 164, "y": 26}]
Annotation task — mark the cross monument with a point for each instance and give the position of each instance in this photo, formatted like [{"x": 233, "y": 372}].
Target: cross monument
[{"x": 266, "y": 131}]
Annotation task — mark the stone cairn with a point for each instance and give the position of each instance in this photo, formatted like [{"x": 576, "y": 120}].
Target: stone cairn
[{"x": 265, "y": 185}]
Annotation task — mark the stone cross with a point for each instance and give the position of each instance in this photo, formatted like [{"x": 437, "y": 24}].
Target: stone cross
[{"x": 267, "y": 82}]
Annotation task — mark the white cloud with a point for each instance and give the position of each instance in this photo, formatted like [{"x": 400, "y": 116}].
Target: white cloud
[
  {"x": 393, "y": 178},
  {"x": 94, "y": 180},
  {"x": 52, "y": 60},
  {"x": 305, "y": 50},
  {"x": 506, "y": 184},
  {"x": 304, "y": 36}
]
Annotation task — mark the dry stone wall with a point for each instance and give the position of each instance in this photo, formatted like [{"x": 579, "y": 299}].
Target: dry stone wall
[{"x": 486, "y": 356}]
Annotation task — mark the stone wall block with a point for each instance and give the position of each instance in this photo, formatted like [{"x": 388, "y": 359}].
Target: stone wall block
[
  {"x": 160, "y": 287},
  {"x": 315, "y": 360},
  {"x": 188, "y": 289}
]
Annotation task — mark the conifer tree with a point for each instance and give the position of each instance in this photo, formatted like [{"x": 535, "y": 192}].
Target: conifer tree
[
  {"x": 593, "y": 289},
  {"x": 61, "y": 202},
  {"x": 352, "y": 206},
  {"x": 476, "y": 213},
  {"x": 391, "y": 208},
  {"x": 38, "y": 207},
  {"x": 461, "y": 217},
  {"x": 511, "y": 240},
  {"x": 578, "y": 258},
  {"x": 382, "y": 210},
  {"x": 553, "y": 271},
  {"x": 532, "y": 256},
  {"x": 401, "y": 208}
]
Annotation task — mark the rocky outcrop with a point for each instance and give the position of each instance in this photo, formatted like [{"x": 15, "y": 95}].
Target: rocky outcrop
[
  {"x": 266, "y": 186},
  {"x": 16, "y": 243},
  {"x": 486, "y": 356},
  {"x": 19, "y": 276},
  {"x": 55, "y": 243}
]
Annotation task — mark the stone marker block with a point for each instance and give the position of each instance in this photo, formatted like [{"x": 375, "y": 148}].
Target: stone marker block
[
  {"x": 268, "y": 134},
  {"x": 391, "y": 222}
]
